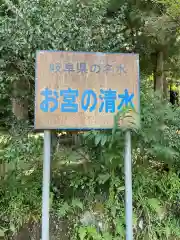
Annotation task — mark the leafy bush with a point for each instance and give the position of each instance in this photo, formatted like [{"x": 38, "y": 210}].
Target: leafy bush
[
  {"x": 92, "y": 198},
  {"x": 158, "y": 137},
  {"x": 21, "y": 182}
]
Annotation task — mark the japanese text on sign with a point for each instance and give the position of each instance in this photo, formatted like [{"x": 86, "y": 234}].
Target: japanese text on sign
[
  {"x": 84, "y": 90},
  {"x": 108, "y": 100},
  {"x": 84, "y": 68}
]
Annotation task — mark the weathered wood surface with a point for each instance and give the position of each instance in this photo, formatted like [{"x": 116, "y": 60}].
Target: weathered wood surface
[{"x": 62, "y": 80}]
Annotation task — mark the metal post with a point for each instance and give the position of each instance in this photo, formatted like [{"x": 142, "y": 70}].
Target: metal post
[
  {"x": 46, "y": 185},
  {"x": 128, "y": 187}
]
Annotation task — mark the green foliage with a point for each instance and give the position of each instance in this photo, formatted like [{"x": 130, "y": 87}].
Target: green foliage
[
  {"x": 155, "y": 143},
  {"x": 20, "y": 187},
  {"x": 92, "y": 199},
  {"x": 158, "y": 136},
  {"x": 60, "y": 25},
  {"x": 5, "y": 109},
  {"x": 154, "y": 216},
  {"x": 94, "y": 206},
  {"x": 172, "y": 7},
  {"x": 64, "y": 208},
  {"x": 107, "y": 26}
]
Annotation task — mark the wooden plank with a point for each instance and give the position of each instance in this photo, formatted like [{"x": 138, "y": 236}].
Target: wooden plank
[{"x": 103, "y": 71}]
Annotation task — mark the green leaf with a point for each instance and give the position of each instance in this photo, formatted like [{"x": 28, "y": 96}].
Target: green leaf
[
  {"x": 122, "y": 188},
  {"x": 97, "y": 139},
  {"x": 82, "y": 233},
  {"x": 119, "y": 228},
  {"x": 102, "y": 178},
  {"x": 107, "y": 236},
  {"x": 135, "y": 219},
  {"x": 167, "y": 232},
  {"x": 64, "y": 209},
  {"x": 104, "y": 140},
  {"x": 77, "y": 203},
  {"x": 12, "y": 228},
  {"x": 155, "y": 205},
  {"x": 93, "y": 232},
  {"x": 113, "y": 210},
  {"x": 2, "y": 232}
]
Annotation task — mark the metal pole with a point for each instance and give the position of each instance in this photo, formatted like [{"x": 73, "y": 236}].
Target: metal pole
[
  {"x": 46, "y": 185},
  {"x": 128, "y": 187}
]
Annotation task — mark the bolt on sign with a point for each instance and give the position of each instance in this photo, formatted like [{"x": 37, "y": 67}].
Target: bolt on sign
[{"x": 80, "y": 90}]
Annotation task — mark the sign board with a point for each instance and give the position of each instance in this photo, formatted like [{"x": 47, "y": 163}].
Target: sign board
[{"x": 79, "y": 90}]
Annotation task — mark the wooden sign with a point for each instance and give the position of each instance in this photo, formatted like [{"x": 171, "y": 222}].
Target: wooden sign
[{"x": 79, "y": 90}]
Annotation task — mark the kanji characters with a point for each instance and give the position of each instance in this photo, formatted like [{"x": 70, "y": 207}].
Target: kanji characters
[
  {"x": 126, "y": 99},
  {"x": 68, "y": 67},
  {"x": 51, "y": 68},
  {"x": 108, "y": 100},
  {"x": 82, "y": 67},
  {"x": 58, "y": 67},
  {"x": 86, "y": 102},
  {"x": 121, "y": 68},
  {"x": 69, "y": 100},
  {"x": 55, "y": 67},
  {"x": 50, "y": 103}
]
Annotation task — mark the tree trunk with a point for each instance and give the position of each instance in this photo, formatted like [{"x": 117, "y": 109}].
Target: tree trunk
[
  {"x": 154, "y": 61},
  {"x": 159, "y": 77},
  {"x": 19, "y": 103},
  {"x": 154, "y": 73},
  {"x": 165, "y": 88}
]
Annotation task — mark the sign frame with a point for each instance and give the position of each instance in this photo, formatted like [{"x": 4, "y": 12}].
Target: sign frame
[{"x": 83, "y": 52}]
